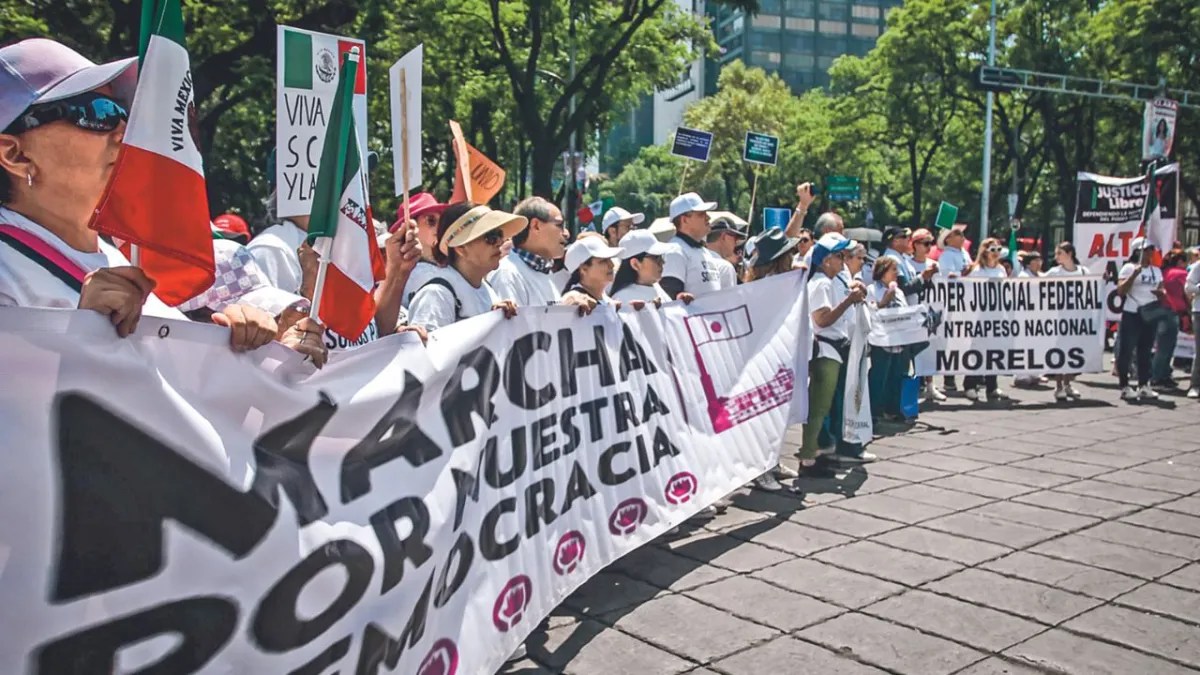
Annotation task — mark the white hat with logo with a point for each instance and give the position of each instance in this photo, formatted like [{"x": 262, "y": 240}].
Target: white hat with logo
[{"x": 687, "y": 203}]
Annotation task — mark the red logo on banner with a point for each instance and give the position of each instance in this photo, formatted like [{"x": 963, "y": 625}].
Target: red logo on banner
[
  {"x": 569, "y": 552},
  {"x": 681, "y": 487},
  {"x": 442, "y": 659},
  {"x": 511, "y": 603},
  {"x": 627, "y": 516}
]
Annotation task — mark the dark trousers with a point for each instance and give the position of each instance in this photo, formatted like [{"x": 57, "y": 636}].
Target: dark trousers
[
  {"x": 1135, "y": 335},
  {"x": 888, "y": 370},
  {"x": 987, "y": 381}
]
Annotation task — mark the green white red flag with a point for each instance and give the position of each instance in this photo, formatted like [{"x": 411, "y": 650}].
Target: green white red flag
[
  {"x": 156, "y": 197},
  {"x": 341, "y": 228}
]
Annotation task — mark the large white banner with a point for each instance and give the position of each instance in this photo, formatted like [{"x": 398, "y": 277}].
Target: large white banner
[
  {"x": 170, "y": 506},
  {"x": 1011, "y": 326},
  {"x": 1108, "y": 213}
]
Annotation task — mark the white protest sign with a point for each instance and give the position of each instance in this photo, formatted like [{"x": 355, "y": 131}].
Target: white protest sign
[
  {"x": 169, "y": 505},
  {"x": 1108, "y": 213},
  {"x": 1158, "y": 128},
  {"x": 405, "y": 77},
  {"x": 1026, "y": 325},
  {"x": 901, "y": 326},
  {"x": 306, "y": 79}
]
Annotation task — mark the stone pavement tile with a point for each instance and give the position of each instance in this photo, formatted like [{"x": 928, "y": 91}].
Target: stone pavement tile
[
  {"x": 891, "y": 508},
  {"x": 907, "y": 568},
  {"x": 590, "y": 648},
  {"x": 779, "y": 504},
  {"x": 608, "y": 591},
  {"x": 1003, "y": 532},
  {"x": 922, "y": 441},
  {"x": 843, "y": 522},
  {"x": 1023, "y": 476},
  {"x": 1152, "y": 481},
  {"x": 1155, "y": 449},
  {"x": 760, "y": 602},
  {"x": 1035, "y": 515},
  {"x": 870, "y": 483},
  {"x": 1062, "y": 652},
  {"x": 1167, "y": 600},
  {"x": 733, "y": 517},
  {"x": 1142, "y": 537},
  {"x": 1188, "y": 577},
  {"x": 1188, "y": 458},
  {"x": 1188, "y": 505},
  {"x": 963, "y": 622},
  {"x": 887, "y": 452},
  {"x": 889, "y": 646},
  {"x": 935, "y": 496},
  {"x": 788, "y": 655},
  {"x": 829, "y": 583},
  {"x": 1038, "y": 444},
  {"x": 688, "y": 628},
  {"x": 1072, "y": 503},
  {"x": 1165, "y": 637},
  {"x": 1107, "y": 555},
  {"x": 1023, "y": 598},
  {"x": 796, "y": 539},
  {"x": 942, "y": 462},
  {"x": 1090, "y": 456},
  {"x": 721, "y": 550},
  {"x": 1118, "y": 493},
  {"x": 981, "y": 486},
  {"x": 525, "y": 666},
  {"x": 1060, "y": 466},
  {"x": 906, "y": 472},
  {"x": 998, "y": 666},
  {"x": 664, "y": 569},
  {"x": 1068, "y": 576},
  {"x": 941, "y": 545},
  {"x": 1168, "y": 521},
  {"x": 986, "y": 455},
  {"x": 1172, "y": 468},
  {"x": 1100, "y": 431}
]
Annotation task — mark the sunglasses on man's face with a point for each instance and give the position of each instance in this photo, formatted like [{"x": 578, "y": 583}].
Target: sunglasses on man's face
[
  {"x": 90, "y": 111},
  {"x": 493, "y": 237},
  {"x": 805, "y": 240}
]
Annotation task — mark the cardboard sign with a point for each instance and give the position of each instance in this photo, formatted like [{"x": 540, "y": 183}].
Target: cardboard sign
[
  {"x": 486, "y": 176},
  {"x": 692, "y": 144},
  {"x": 405, "y": 78},
  {"x": 1158, "y": 128},
  {"x": 947, "y": 215},
  {"x": 306, "y": 79},
  {"x": 761, "y": 149}
]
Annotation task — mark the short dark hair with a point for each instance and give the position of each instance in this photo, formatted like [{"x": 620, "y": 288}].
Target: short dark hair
[
  {"x": 533, "y": 207},
  {"x": 882, "y": 265},
  {"x": 451, "y": 214},
  {"x": 5, "y": 187}
]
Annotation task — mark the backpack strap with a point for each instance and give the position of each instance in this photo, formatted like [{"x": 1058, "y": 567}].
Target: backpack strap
[
  {"x": 438, "y": 281},
  {"x": 31, "y": 246}
]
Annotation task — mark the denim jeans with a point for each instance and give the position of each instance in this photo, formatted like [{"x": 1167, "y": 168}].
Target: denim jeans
[
  {"x": 1136, "y": 336},
  {"x": 1166, "y": 337}
]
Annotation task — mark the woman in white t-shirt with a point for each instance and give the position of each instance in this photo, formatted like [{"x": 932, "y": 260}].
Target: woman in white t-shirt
[
  {"x": 987, "y": 265},
  {"x": 590, "y": 262},
  {"x": 1068, "y": 266},
  {"x": 1140, "y": 284},
  {"x": 889, "y": 365},
  {"x": 470, "y": 239},
  {"x": 56, "y": 155},
  {"x": 636, "y": 280}
]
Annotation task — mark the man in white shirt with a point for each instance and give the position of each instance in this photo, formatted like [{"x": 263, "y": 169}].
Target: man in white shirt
[
  {"x": 618, "y": 222},
  {"x": 727, "y": 239},
  {"x": 691, "y": 268},
  {"x": 952, "y": 260},
  {"x": 524, "y": 275}
]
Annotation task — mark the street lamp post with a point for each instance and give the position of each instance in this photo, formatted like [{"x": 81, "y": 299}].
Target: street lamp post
[{"x": 985, "y": 198}]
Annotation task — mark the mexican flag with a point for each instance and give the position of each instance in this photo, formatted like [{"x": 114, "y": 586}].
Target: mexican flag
[
  {"x": 593, "y": 211},
  {"x": 310, "y": 61},
  {"x": 341, "y": 229},
  {"x": 1152, "y": 226},
  {"x": 155, "y": 197}
]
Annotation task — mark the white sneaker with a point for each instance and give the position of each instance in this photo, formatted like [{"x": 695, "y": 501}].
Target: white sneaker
[
  {"x": 998, "y": 394},
  {"x": 932, "y": 393},
  {"x": 864, "y": 458},
  {"x": 1147, "y": 393},
  {"x": 981, "y": 394},
  {"x": 973, "y": 393},
  {"x": 1129, "y": 394},
  {"x": 1060, "y": 394},
  {"x": 1073, "y": 392},
  {"x": 783, "y": 472},
  {"x": 767, "y": 482},
  {"x": 1193, "y": 393}
]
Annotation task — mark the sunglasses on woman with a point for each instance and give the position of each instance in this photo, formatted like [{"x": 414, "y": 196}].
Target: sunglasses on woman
[
  {"x": 90, "y": 111},
  {"x": 493, "y": 237},
  {"x": 994, "y": 249}
]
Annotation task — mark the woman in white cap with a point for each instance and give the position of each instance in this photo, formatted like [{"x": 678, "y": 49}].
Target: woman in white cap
[
  {"x": 1141, "y": 285},
  {"x": 62, "y": 120},
  {"x": 641, "y": 268},
  {"x": 590, "y": 262},
  {"x": 468, "y": 249}
]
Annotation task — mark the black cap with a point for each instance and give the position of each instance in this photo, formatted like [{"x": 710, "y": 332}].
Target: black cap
[
  {"x": 724, "y": 224},
  {"x": 895, "y": 233}
]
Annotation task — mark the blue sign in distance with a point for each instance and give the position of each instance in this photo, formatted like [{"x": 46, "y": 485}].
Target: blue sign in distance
[
  {"x": 692, "y": 144},
  {"x": 776, "y": 218}
]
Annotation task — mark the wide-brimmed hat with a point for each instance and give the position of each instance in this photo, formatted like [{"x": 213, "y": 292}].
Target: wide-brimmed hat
[
  {"x": 772, "y": 245},
  {"x": 662, "y": 229},
  {"x": 616, "y": 214},
  {"x": 477, "y": 222},
  {"x": 687, "y": 203},
  {"x": 419, "y": 205},
  {"x": 960, "y": 228},
  {"x": 643, "y": 242},
  {"x": 39, "y": 70},
  {"x": 586, "y": 248}
]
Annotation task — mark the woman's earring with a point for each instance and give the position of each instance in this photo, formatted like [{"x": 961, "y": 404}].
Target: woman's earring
[{"x": 29, "y": 179}]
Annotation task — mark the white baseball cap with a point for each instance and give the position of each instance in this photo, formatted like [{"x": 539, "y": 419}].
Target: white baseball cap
[
  {"x": 616, "y": 214},
  {"x": 1141, "y": 243},
  {"x": 639, "y": 242},
  {"x": 687, "y": 203},
  {"x": 587, "y": 248}
]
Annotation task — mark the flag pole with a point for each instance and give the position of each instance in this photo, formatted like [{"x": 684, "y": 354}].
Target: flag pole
[
  {"x": 683, "y": 178},
  {"x": 323, "y": 246},
  {"x": 135, "y": 255},
  {"x": 404, "y": 174},
  {"x": 753, "y": 194}
]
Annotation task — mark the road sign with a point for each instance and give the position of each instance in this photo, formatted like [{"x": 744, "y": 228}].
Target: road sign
[
  {"x": 776, "y": 218},
  {"x": 761, "y": 149},
  {"x": 843, "y": 188},
  {"x": 692, "y": 144}
]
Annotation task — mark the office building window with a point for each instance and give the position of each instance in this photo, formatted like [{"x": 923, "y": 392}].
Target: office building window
[
  {"x": 864, "y": 30},
  {"x": 769, "y": 6},
  {"x": 801, "y": 8},
  {"x": 794, "y": 23},
  {"x": 765, "y": 58},
  {"x": 829, "y": 45},
  {"x": 765, "y": 21},
  {"x": 799, "y": 61},
  {"x": 764, "y": 40},
  {"x": 864, "y": 12},
  {"x": 834, "y": 10},
  {"x": 793, "y": 42},
  {"x": 831, "y": 27}
]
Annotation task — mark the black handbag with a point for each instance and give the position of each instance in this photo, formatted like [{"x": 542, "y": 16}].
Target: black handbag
[{"x": 1153, "y": 312}]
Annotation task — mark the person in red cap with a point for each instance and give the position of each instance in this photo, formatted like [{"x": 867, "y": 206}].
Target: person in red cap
[
  {"x": 232, "y": 226},
  {"x": 425, "y": 210}
]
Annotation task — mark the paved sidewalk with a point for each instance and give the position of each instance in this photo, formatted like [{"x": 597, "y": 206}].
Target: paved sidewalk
[{"x": 1019, "y": 538}]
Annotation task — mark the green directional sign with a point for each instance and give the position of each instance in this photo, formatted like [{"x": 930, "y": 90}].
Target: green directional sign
[
  {"x": 843, "y": 188},
  {"x": 761, "y": 149}
]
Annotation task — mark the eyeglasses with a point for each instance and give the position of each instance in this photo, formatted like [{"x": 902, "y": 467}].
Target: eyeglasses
[
  {"x": 805, "y": 240},
  {"x": 994, "y": 249},
  {"x": 493, "y": 237},
  {"x": 90, "y": 111},
  {"x": 924, "y": 242}
]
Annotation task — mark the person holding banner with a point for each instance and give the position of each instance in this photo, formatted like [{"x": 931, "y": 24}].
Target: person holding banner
[
  {"x": 987, "y": 265},
  {"x": 889, "y": 365},
  {"x": 637, "y": 278},
  {"x": 952, "y": 261},
  {"x": 1140, "y": 284},
  {"x": 524, "y": 274},
  {"x": 690, "y": 268},
  {"x": 468, "y": 249},
  {"x": 590, "y": 262},
  {"x": 1068, "y": 266}
]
